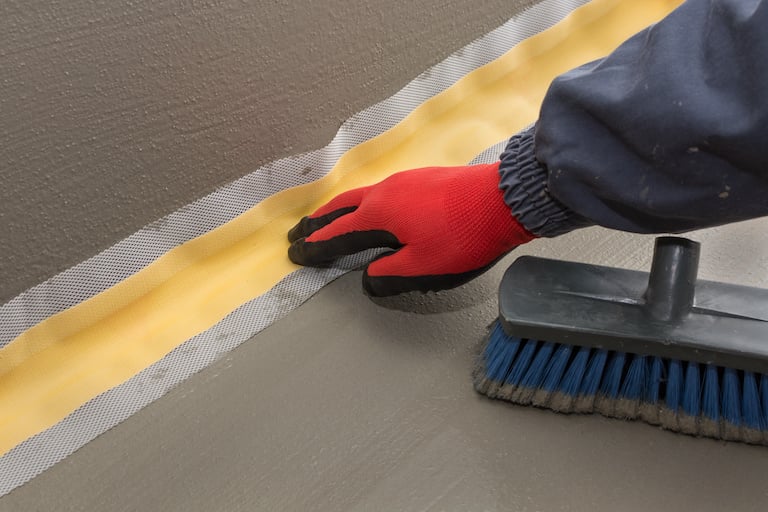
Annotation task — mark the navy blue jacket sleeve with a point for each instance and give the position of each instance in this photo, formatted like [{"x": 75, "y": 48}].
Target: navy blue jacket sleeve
[{"x": 669, "y": 133}]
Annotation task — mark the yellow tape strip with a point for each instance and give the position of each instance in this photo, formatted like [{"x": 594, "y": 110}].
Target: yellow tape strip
[{"x": 65, "y": 361}]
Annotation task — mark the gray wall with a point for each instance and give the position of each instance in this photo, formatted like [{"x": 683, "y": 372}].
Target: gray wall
[{"x": 113, "y": 115}]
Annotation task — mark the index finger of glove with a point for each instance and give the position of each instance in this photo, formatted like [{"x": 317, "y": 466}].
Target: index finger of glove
[
  {"x": 345, "y": 236},
  {"x": 342, "y": 204}
]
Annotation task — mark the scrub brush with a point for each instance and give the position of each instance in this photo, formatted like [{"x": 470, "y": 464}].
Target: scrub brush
[{"x": 688, "y": 356}]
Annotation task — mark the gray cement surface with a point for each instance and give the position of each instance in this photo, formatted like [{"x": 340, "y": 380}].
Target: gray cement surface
[
  {"x": 114, "y": 115},
  {"x": 351, "y": 404}
]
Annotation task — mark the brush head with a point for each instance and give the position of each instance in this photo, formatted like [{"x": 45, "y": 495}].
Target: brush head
[
  {"x": 690, "y": 356},
  {"x": 603, "y": 307},
  {"x": 683, "y": 396}
]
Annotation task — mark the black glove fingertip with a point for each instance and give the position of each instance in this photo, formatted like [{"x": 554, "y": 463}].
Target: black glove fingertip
[
  {"x": 308, "y": 225},
  {"x": 296, "y": 232},
  {"x": 307, "y": 254}
]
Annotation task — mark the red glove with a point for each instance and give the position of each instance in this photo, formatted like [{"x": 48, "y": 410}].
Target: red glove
[{"x": 447, "y": 225}]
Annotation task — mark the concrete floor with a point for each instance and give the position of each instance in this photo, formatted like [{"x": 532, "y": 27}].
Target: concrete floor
[{"x": 351, "y": 404}]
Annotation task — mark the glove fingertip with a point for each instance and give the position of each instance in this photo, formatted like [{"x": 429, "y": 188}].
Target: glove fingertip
[
  {"x": 295, "y": 251},
  {"x": 311, "y": 223},
  {"x": 297, "y": 231}
]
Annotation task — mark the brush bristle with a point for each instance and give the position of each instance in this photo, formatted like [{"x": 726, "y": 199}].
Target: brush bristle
[{"x": 702, "y": 400}]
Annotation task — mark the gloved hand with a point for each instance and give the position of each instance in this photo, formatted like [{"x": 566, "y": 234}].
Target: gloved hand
[{"x": 446, "y": 225}]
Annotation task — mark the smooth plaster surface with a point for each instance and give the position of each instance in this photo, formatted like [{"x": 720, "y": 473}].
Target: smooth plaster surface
[
  {"x": 114, "y": 114},
  {"x": 345, "y": 404},
  {"x": 351, "y": 404}
]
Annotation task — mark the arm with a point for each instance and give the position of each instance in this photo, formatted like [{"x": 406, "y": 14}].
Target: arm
[{"x": 667, "y": 134}]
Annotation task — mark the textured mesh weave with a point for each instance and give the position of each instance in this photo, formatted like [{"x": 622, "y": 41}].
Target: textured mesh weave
[{"x": 142, "y": 248}]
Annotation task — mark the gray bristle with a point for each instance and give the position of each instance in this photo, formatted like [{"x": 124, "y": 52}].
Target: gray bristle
[
  {"x": 584, "y": 404},
  {"x": 650, "y": 413},
  {"x": 627, "y": 409},
  {"x": 561, "y": 402},
  {"x": 710, "y": 428},
  {"x": 541, "y": 398}
]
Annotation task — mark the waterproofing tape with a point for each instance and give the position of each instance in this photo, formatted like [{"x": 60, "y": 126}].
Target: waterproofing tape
[{"x": 203, "y": 287}]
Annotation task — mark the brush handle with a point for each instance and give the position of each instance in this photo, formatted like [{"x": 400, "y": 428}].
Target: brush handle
[{"x": 672, "y": 280}]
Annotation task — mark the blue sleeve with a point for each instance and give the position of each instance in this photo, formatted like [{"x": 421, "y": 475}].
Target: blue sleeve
[{"x": 669, "y": 133}]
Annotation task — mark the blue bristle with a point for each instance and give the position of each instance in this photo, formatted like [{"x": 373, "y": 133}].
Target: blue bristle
[
  {"x": 653, "y": 384},
  {"x": 535, "y": 374},
  {"x": 692, "y": 390},
  {"x": 520, "y": 366},
  {"x": 612, "y": 379},
  {"x": 731, "y": 396},
  {"x": 635, "y": 378},
  {"x": 499, "y": 354},
  {"x": 764, "y": 395},
  {"x": 556, "y": 367},
  {"x": 572, "y": 379},
  {"x": 710, "y": 400},
  {"x": 591, "y": 382},
  {"x": 674, "y": 387},
  {"x": 495, "y": 342},
  {"x": 738, "y": 397},
  {"x": 751, "y": 410}
]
